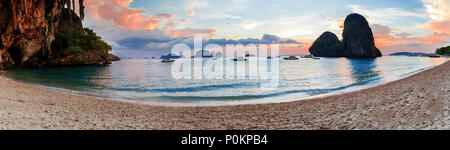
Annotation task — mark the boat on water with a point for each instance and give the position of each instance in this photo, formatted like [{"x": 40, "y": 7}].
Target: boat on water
[
  {"x": 239, "y": 59},
  {"x": 167, "y": 60},
  {"x": 249, "y": 55},
  {"x": 434, "y": 56},
  {"x": 308, "y": 56},
  {"x": 291, "y": 58}
]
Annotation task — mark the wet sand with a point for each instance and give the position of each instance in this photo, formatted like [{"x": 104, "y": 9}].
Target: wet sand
[{"x": 421, "y": 101}]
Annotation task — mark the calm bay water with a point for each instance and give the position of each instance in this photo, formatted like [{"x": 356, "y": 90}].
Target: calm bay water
[{"x": 151, "y": 80}]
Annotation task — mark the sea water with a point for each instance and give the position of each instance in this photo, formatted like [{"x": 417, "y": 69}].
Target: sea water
[{"x": 151, "y": 80}]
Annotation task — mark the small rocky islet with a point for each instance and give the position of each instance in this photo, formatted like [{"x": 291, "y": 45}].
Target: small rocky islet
[{"x": 358, "y": 40}]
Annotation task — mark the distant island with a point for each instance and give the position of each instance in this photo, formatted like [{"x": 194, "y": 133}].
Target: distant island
[
  {"x": 203, "y": 54},
  {"x": 48, "y": 33},
  {"x": 444, "y": 51},
  {"x": 198, "y": 54},
  {"x": 357, "y": 40},
  {"x": 411, "y": 54},
  {"x": 170, "y": 56}
]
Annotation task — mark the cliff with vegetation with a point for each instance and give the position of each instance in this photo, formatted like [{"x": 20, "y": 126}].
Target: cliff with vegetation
[
  {"x": 358, "y": 41},
  {"x": 38, "y": 33},
  {"x": 443, "y": 51}
]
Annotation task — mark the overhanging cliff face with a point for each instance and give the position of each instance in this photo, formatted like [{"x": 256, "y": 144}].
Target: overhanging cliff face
[
  {"x": 23, "y": 30},
  {"x": 28, "y": 27}
]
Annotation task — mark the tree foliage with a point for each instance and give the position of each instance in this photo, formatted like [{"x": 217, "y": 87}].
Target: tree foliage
[
  {"x": 443, "y": 51},
  {"x": 79, "y": 41}
]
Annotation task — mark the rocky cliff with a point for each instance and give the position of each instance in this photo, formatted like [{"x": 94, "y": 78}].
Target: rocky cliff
[
  {"x": 327, "y": 45},
  {"x": 357, "y": 41},
  {"x": 28, "y": 28},
  {"x": 358, "y": 38}
]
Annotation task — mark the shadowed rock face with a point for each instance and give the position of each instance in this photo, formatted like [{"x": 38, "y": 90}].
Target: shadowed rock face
[
  {"x": 327, "y": 45},
  {"x": 358, "y": 38},
  {"x": 357, "y": 41},
  {"x": 28, "y": 27}
]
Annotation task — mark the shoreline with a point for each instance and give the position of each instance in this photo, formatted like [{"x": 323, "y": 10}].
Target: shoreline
[{"x": 25, "y": 106}]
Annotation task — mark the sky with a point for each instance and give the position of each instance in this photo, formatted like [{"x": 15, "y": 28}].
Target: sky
[{"x": 147, "y": 28}]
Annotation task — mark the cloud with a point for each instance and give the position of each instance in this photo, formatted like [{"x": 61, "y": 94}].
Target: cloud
[
  {"x": 237, "y": 5},
  {"x": 250, "y": 25},
  {"x": 191, "y": 12},
  {"x": 287, "y": 26},
  {"x": 336, "y": 24},
  {"x": 385, "y": 15},
  {"x": 171, "y": 25},
  {"x": 404, "y": 35},
  {"x": 193, "y": 4},
  {"x": 185, "y": 20},
  {"x": 393, "y": 40},
  {"x": 439, "y": 26},
  {"x": 164, "y": 16},
  {"x": 123, "y": 3},
  {"x": 123, "y": 16},
  {"x": 140, "y": 43},
  {"x": 266, "y": 39},
  {"x": 119, "y": 12},
  {"x": 155, "y": 46},
  {"x": 112, "y": 33},
  {"x": 438, "y": 11},
  {"x": 192, "y": 32},
  {"x": 381, "y": 30},
  {"x": 217, "y": 16}
]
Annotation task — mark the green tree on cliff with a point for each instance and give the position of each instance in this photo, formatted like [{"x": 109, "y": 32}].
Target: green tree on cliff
[
  {"x": 443, "y": 51},
  {"x": 79, "y": 41}
]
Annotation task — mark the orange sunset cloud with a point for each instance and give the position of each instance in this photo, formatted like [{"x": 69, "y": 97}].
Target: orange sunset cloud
[
  {"x": 119, "y": 12},
  {"x": 191, "y": 32},
  {"x": 439, "y": 12},
  {"x": 440, "y": 25},
  {"x": 185, "y": 20},
  {"x": 191, "y": 12}
]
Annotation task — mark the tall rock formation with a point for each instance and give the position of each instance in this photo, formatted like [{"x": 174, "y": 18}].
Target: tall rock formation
[
  {"x": 358, "y": 37},
  {"x": 327, "y": 45},
  {"x": 28, "y": 27},
  {"x": 357, "y": 41}
]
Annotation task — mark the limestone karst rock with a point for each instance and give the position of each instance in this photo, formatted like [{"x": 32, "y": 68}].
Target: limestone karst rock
[
  {"x": 28, "y": 27},
  {"x": 327, "y": 45},
  {"x": 358, "y": 38},
  {"x": 358, "y": 41}
]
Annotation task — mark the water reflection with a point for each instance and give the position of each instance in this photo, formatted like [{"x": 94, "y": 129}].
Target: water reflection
[
  {"x": 65, "y": 77},
  {"x": 363, "y": 70}
]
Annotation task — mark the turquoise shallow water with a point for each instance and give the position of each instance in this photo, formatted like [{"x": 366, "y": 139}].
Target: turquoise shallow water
[{"x": 151, "y": 80}]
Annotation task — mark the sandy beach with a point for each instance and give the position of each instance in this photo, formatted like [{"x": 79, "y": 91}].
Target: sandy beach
[{"x": 421, "y": 101}]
